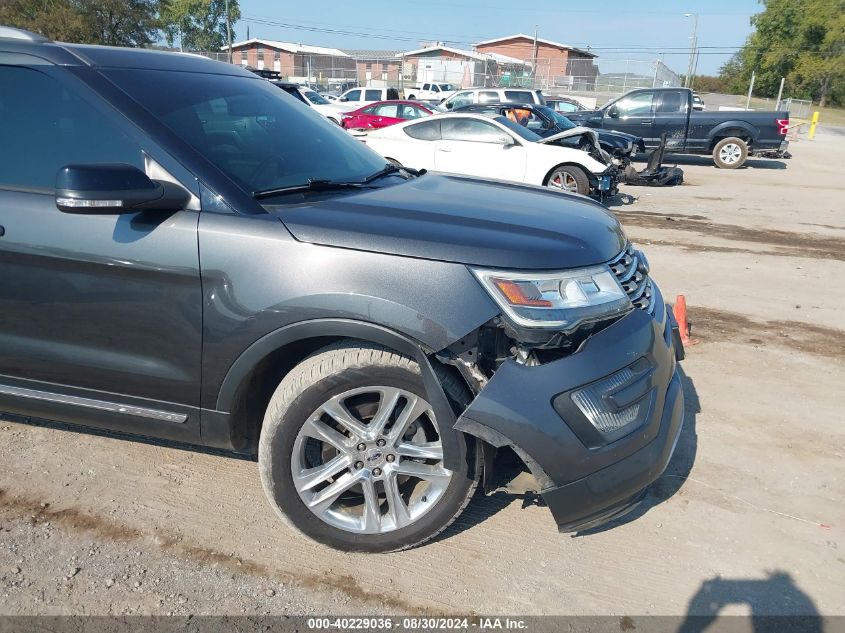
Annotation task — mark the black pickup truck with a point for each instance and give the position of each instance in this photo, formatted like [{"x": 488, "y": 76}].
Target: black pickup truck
[{"x": 729, "y": 136}]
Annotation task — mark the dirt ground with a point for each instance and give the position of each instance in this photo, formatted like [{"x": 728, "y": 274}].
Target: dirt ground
[{"x": 749, "y": 515}]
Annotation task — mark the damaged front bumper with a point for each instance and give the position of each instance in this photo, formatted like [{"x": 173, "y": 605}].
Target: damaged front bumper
[{"x": 595, "y": 427}]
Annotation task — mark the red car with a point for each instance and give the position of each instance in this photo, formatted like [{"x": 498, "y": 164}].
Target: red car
[{"x": 383, "y": 113}]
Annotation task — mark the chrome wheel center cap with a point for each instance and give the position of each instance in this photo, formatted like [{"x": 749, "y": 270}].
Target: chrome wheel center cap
[{"x": 375, "y": 457}]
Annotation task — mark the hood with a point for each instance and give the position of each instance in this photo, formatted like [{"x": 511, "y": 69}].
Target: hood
[
  {"x": 463, "y": 220},
  {"x": 580, "y": 116},
  {"x": 611, "y": 139},
  {"x": 575, "y": 131}
]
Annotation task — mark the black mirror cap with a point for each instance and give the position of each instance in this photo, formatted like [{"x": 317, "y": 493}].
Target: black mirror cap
[{"x": 114, "y": 188}]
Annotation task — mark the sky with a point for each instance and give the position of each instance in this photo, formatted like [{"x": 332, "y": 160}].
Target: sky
[{"x": 616, "y": 30}]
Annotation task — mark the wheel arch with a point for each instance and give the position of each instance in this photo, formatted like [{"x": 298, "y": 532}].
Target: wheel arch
[
  {"x": 570, "y": 163},
  {"x": 254, "y": 376},
  {"x": 732, "y": 128}
]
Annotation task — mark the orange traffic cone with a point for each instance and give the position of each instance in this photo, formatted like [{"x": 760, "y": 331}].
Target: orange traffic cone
[{"x": 680, "y": 311}]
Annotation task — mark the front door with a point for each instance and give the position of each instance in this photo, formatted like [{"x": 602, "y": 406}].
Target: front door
[
  {"x": 100, "y": 315},
  {"x": 478, "y": 148},
  {"x": 633, "y": 114}
]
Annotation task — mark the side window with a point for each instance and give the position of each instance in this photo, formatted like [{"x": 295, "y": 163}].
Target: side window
[
  {"x": 353, "y": 95},
  {"x": 47, "y": 126},
  {"x": 518, "y": 96},
  {"x": 389, "y": 110},
  {"x": 673, "y": 101},
  {"x": 488, "y": 96},
  {"x": 425, "y": 131},
  {"x": 636, "y": 105},
  {"x": 426, "y": 87},
  {"x": 372, "y": 95},
  {"x": 370, "y": 109},
  {"x": 565, "y": 106},
  {"x": 410, "y": 112},
  {"x": 392, "y": 93},
  {"x": 435, "y": 88},
  {"x": 459, "y": 129},
  {"x": 461, "y": 99}
]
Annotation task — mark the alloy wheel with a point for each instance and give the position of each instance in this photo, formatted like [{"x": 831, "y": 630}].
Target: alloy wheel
[
  {"x": 370, "y": 460},
  {"x": 563, "y": 180},
  {"x": 730, "y": 153}
]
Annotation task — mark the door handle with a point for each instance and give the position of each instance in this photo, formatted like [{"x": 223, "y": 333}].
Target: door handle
[
  {"x": 443, "y": 149},
  {"x": 2, "y": 231},
  {"x": 648, "y": 122}
]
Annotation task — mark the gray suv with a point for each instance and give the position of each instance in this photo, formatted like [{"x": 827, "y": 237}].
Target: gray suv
[{"x": 188, "y": 253}]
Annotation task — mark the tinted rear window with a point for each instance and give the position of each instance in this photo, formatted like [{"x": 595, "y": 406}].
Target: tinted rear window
[
  {"x": 519, "y": 96},
  {"x": 427, "y": 131}
]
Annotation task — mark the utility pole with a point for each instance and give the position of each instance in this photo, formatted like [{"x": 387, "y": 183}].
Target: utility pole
[
  {"x": 693, "y": 45},
  {"x": 780, "y": 93},
  {"x": 534, "y": 60},
  {"x": 750, "y": 90},
  {"x": 228, "y": 32}
]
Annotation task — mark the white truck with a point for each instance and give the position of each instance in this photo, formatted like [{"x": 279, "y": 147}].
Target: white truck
[{"x": 432, "y": 91}]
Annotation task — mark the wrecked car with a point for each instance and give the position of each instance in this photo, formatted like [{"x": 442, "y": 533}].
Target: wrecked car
[
  {"x": 495, "y": 147},
  {"x": 369, "y": 334},
  {"x": 546, "y": 122}
]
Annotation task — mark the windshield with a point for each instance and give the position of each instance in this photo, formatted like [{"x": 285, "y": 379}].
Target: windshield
[
  {"x": 447, "y": 87},
  {"x": 315, "y": 98},
  {"x": 259, "y": 136},
  {"x": 561, "y": 121},
  {"x": 519, "y": 130}
]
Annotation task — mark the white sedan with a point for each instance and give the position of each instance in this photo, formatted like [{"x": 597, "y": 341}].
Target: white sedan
[{"x": 495, "y": 148}]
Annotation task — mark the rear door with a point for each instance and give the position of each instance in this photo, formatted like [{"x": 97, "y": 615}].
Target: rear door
[
  {"x": 386, "y": 114},
  {"x": 671, "y": 115},
  {"x": 479, "y": 148},
  {"x": 100, "y": 315}
]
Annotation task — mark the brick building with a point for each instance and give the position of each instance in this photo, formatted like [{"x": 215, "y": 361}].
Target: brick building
[
  {"x": 557, "y": 64},
  {"x": 301, "y": 61}
]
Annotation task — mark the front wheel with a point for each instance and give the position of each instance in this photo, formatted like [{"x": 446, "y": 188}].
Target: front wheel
[
  {"x": 730, "y": 153},
  {"x": 352, "y": 455},
  {"x": 569, "y": 178}
]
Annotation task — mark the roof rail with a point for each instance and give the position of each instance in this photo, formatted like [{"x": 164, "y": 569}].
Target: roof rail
[{"x": 8, "y": 32}]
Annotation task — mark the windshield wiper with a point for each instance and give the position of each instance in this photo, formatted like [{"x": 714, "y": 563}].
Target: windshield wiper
[
  {"x": 313, "y": 184},
  {"x": 320, "y": 184},
  {"x": 389, "y": 170}
]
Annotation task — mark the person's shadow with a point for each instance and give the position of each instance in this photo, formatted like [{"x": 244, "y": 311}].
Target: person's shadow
[{"x": 776, "y": 603}]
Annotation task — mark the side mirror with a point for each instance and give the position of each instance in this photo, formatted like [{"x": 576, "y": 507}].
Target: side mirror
[
  {"x": 613, "y": 112},
  {"x": 343, "y": 99},
  {"x": 449, "y": 105},
  {"x": 507, "y": 141},
  {"x": 114, "y": 189}
]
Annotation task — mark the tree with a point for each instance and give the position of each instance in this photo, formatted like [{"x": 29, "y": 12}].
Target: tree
[
  {"x": 56, "y": 19},
  {"x": 112, "y": 22},
  {"x": 801, "y": 40},
  {"x": 121, "y": 22},
  {"x": 198, "y": 24}
]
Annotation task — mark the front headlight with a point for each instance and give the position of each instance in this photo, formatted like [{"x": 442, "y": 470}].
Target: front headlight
[{"x": 561, "y": 300}]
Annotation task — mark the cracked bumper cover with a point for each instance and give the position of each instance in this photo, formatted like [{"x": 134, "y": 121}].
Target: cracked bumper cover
[{"x": 588, "y": 478}]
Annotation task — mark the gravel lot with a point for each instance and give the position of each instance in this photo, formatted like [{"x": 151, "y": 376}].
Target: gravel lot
[{"x": 749, "y": 515}]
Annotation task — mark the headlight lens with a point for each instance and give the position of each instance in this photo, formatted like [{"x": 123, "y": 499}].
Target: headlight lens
[{"x": 560, "y": 300}]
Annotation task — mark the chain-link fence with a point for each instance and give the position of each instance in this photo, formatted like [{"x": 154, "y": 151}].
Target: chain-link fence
[{"x": 601, "y": 79}]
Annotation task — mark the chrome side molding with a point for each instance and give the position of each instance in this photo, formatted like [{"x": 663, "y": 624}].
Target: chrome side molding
[{"x": 89, "y": 403}]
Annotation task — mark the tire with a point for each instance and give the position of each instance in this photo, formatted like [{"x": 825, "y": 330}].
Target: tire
[
  {"x": 569, "y": 178},
  {"x": 350, "y": 372},
  {"x": 730, "y": 153},
  {"x": 412, "y": 97}
]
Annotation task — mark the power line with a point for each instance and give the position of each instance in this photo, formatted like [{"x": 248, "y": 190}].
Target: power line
[{"x": 668, "y": 50}]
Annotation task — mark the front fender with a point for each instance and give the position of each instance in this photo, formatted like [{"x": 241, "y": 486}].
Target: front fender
[{"x": 346, "y": 328}]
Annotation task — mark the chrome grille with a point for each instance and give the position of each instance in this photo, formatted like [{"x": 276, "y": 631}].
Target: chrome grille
[{"x": 631, "y": 271}]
